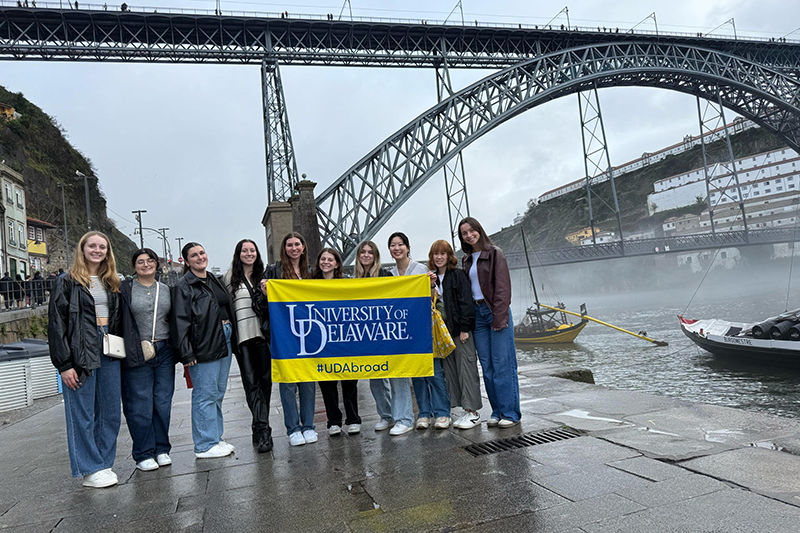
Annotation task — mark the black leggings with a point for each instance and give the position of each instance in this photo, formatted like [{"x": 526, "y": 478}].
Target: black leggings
[
  {"x": 330, "y": 394},
  {"x": 255, "y": 364}
]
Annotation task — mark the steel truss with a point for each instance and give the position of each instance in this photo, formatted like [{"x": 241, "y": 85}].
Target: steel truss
[
  {"x": 281, "y": 164},
  {"x": 455, "y": 180},
  {"x": 596, "y": 161},
  {"x": 711, "y": 116},
  {"x": 365, "y": 197},
  {"x": 91, "y": 35}
]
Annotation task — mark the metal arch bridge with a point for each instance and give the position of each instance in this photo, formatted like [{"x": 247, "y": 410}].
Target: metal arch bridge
[{"x": 362, "y": 200}]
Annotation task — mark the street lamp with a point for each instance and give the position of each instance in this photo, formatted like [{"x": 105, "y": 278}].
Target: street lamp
[
  {"x": 64, "y": 208},
  {"x": 88, "y": 209}
]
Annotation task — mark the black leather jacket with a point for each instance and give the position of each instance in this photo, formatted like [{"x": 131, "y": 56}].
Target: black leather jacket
[
  {"x": 196, "y": 323},
  {"x": 458, "y": 308},
  {"x": 72, "y": 326}
]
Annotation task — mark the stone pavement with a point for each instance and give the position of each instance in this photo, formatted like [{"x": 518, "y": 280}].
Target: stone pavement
[{"x": 644, "y": 463}]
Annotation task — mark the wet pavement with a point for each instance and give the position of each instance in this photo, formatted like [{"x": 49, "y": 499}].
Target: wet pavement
[{"x": 641, "y": 463}]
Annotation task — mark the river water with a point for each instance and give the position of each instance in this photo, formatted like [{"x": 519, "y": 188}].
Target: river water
[{"x": 681, "y": 369}]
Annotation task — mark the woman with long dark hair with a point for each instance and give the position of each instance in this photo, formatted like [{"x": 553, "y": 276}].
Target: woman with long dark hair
[
  {"x": 253, "y": 357},
  {"x": 148, "y": 370},
  {"x": 455, "y": 303},
  {"x": 329, "y": 266},
  {"x": 299, "y": 423},
  {"x": 490, "y": 281},
  {"x": 84, "y": 307},
  {"x": 205, "y": 338},
  {"x": 368, "y": 265}
]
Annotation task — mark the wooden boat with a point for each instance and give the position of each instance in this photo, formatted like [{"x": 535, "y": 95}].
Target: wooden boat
[
  {"x": 769, "y": 342},
  {"x": 543, "y": 324}
]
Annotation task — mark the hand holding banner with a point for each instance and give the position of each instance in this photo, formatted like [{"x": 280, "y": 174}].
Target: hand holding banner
[{"x": 372, "y": 328}]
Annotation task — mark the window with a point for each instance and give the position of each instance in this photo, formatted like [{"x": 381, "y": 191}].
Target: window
[
  {"x": 766, "y": 183},
  {"x": 9, "y": 197},
  {"x": 767, "y": 191},
  {"x": 791, "y": 185},
  {"x": 778, "y": 188},
  {"x": 11, "y": 239},
  {"x": 724, "y": 255},
  {"x": 756, "y": 193},
  {"x": 19, "y": 198},
  {"x": 21, "y": 231},
  {"x": 31, "y": 233},
  {"x": 40, "y": 234}
]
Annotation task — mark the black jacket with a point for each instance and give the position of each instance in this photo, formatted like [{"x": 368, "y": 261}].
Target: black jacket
[
  {"x": 72, "y": 326},
  {"x": 130, "y": 330},
  {"x": 458, "y": 308},
  {"x": 196, "y": 323}
]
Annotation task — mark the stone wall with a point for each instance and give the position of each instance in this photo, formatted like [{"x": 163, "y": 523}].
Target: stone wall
[{"x": 23, "y": 324}]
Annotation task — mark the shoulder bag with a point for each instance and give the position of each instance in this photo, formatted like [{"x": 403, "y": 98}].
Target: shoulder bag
[
  {"x": 148, "y": 347},
  {"x": 443, "y": 343},
  {"x": 113, "y": 345}
]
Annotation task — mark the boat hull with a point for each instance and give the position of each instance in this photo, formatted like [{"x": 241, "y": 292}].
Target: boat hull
[
  {"x": 556, "y": 336},
  {"x": 761, "y": 351}
]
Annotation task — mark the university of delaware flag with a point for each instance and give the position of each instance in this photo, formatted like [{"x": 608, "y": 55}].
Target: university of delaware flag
[{"x": 330, "y": 329}]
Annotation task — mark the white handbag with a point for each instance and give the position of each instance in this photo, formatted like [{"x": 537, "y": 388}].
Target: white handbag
[{"x": 113, "y": 346}]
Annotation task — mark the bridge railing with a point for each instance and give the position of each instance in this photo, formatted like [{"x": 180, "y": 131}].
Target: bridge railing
[
  {"x": 640, "y": 247},
  {"x": 116, "y": 6}
]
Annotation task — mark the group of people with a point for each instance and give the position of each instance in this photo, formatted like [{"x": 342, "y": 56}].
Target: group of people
[
  {"x": 202, "y": 321},
  {"x": 29, "y": 292}
]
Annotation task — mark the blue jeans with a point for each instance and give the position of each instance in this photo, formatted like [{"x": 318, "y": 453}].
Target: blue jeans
[
  {"x": 431, "y": 392},
  {"x": 304, "y": 420},
  {"x": 147, "y": 403},
  {"x": 93, "y": 417},
  {"x": 402, "y": 409},
  {"x": 210, "y": 380},
  {"x": 383, "y": 402},
  {"x": 498, "y": 357}
]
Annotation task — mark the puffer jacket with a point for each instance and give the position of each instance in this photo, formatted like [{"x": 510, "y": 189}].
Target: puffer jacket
[
  {"x": 72, "y": 326},
  {"x": 196, "y": 323},
  {"x": 495, "y": 282}
]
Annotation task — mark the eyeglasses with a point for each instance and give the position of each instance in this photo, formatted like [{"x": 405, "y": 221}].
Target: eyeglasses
[{"x": 143, "y": 262}]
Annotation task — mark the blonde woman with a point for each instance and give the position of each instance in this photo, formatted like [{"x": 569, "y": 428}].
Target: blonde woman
[{"x": 91, "y": 380}]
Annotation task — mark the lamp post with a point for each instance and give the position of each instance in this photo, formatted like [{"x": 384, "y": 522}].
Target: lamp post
[
  {"x": 64, "y": 208},
  {"x": 88, "y": 209},
  {"x": 138, "y": 214}
]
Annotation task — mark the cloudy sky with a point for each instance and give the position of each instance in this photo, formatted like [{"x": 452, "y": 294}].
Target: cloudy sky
[{"x": 186, "y": 143}]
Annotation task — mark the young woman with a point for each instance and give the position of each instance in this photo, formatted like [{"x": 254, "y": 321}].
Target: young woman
[
  {"x": 253, "y": 356},
  {"x": 299, "y": 424},
  {"x": 431, "y": 392},
  {"x": 368, "y": 265},
  {"x": 455, "y": 302},
  {"x": 84, "y": 306},
  {"x": 494, "y": 327},
  {"x": 329, "y": 266},
  {"x": 148, "y": 382},
  {"x": 204, "y": 338}
]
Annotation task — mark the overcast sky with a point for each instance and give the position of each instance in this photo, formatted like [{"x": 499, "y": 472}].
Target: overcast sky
[{"x": 186, "y": 143}]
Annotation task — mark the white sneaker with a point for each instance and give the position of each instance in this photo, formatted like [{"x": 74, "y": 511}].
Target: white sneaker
[
  {"x": 352, "y": 429},
  {"x": 493, "y": 422},
  {"x": 469, "y": 420},
  {"x": 217, "y": 450},
  {"x": 226, "y": 444},
  {"x": 382, "y": 424},
  {"x": 147, "y": 465},
  {"x": 423, "y": 423},
  {"x": 443, "y": 422},
  {"x": 163, "y": 459},
  {"x": 296, "y": 439},
  {"x": 507, "y": 423},
  {"x": 101, "y": 479},
  {"x": 334, "y": 430},
  {"x": 310, "y": 435},
  {"x": 400, "y": 429}
]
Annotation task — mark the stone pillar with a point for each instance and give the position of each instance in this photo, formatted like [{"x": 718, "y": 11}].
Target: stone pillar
[
  {"x": 304, "y": 211},
  {"x": 277, "y": 222}
]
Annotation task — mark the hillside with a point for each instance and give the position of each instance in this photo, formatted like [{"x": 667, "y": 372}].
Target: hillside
[
  {"x": 547, "y": 223},
  {"x": 35, "y": 145}
]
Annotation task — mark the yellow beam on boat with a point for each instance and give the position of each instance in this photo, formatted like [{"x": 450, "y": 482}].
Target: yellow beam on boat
[{"x": 587, "y": 317}]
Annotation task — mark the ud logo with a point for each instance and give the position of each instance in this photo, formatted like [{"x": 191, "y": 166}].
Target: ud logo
[{"x": 302, "y": 327}]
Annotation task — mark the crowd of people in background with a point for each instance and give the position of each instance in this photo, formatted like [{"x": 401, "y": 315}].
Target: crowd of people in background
[
  {"x": 203, "y": 321},
  {"x": 18, "y": 292}
]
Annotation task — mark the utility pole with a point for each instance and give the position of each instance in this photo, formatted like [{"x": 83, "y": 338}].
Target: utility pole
[
  {"x": 88, "y": 208},
  {"x": 180, "y": 250},
  {"x": 164, "y": 236},
  {"x": 64, "y": 208},
  {"x": 138, "y": 214}
]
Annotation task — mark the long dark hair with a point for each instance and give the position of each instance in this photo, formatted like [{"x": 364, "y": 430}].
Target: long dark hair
[
  {"x": 237, "y": 267},
  {"x": 185, "y": 254},
  {"x": 337, "y": 272},
  {"x": 287, "y": 272},
  {"x": 484, "y": 242}
]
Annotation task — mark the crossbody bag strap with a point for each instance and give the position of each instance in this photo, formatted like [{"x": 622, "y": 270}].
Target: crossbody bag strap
[{"x": 155, "y": 313}]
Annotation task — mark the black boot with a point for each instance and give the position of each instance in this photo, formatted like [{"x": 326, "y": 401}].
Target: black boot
[{"x": 265, "y": 442}]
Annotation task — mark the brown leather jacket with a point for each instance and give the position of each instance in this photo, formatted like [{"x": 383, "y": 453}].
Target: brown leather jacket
[{"x": 495, "y": 282}]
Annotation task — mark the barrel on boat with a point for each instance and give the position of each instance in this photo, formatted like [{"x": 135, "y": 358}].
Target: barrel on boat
[
  {"x": 761, "y": 331},
  {"x": 794, "y": 333},
  {"x": 781, "y": 330}
]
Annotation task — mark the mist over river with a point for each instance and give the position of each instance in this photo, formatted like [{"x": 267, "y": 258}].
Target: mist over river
[{"x": 681, "y": 369}]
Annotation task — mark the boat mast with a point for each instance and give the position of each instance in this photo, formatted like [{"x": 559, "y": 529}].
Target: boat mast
[{"x": 530, "y": 273}]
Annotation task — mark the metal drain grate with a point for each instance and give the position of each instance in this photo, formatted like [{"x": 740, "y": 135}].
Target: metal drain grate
[{"x": 520, "y": 441}]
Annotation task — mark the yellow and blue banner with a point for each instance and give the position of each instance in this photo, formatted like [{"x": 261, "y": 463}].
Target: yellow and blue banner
[{"x": 335, "y": 329}]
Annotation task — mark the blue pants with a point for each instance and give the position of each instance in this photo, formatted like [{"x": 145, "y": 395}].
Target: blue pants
[
  {"x": 93, "y": 417},
  {"x": 383, "y": 400},
  {"x": 498, "y": 357},
  {"x": 402, "y": 409},
  {"x": 147, "y": 403},
  {"x": 431, "y": 392},
  {"x": 210, "y": 380},
  {"x": 304, "y": 420}
]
